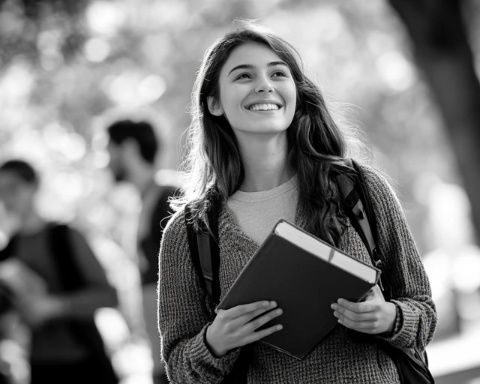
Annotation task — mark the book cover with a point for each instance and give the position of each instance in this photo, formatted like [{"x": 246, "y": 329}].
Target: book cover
[{"x": 304, "y": 275}]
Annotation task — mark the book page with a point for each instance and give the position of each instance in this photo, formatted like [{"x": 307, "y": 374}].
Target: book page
[
  {"x": 303, "y": 240},
  {"x": 324, "y": 251},
  {"x": 356, "y": 268}
]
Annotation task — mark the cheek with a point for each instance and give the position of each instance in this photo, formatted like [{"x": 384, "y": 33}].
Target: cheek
[
  {"x": 293, "y": 94},
  {"x": 292, "y": 102},
  {"x": 230, "y": 100},
  {"x": 289, "y": 93}
]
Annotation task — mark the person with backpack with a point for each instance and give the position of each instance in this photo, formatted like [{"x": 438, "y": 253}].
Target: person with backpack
[
  {"x": 264, "y": 147},
  {"x": 56, "y": 284}
]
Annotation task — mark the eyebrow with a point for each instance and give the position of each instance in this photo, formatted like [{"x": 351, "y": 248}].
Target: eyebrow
[{"x": 250, "y": 66}]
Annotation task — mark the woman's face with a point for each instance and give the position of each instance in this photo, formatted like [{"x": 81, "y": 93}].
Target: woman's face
[
  {"x": 257, "y": 91},
  {"x": 16, "y": 194}
]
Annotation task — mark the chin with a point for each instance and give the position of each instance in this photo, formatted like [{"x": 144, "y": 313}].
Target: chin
[{"x": 272, "y": 129}]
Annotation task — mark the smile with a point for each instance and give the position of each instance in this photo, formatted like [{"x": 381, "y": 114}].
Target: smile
[{"x": 263, "y": 107}]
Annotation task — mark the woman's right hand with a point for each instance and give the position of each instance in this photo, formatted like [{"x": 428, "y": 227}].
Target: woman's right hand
[{"x": 236, "y": 327}]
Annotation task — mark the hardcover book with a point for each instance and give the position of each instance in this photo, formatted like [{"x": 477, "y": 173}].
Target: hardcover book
[{"x": 304, "y": 275}]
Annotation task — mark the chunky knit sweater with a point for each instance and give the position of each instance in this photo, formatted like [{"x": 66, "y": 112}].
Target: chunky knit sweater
[{"x": 342, "y": 357}]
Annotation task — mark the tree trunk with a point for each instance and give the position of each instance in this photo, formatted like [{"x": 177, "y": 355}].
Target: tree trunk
[{"x": 443, "y": 54}]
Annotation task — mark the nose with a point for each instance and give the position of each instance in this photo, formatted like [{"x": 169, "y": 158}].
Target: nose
[{"x": 263, "y": 86}]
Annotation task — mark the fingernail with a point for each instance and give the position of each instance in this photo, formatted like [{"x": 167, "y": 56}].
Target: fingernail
[
  {"x": 279, "y": 326},
  {"x": 333, "y": 306},
  {"x": 273, "y": 304},
  {"x": 279, "y": 311}
]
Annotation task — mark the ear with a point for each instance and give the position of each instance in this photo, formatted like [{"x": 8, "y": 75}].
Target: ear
[{"x": 214, "y": 106}]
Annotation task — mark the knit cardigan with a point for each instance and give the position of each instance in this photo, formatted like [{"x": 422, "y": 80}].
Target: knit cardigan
[{"x": 341, "y": 357}]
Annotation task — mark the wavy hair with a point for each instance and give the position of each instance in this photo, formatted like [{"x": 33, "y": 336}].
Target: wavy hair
[{"x": 316, "y": 145}]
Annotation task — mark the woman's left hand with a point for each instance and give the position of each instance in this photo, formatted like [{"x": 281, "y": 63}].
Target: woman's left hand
[{"x": 373, "y": 316}]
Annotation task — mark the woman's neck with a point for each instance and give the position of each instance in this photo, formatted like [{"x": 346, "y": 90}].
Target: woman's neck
[{"x": 266, "y": 165}]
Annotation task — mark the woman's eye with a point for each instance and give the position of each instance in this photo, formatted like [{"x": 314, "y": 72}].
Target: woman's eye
[
  {"x": 279, "y": 74},
  {"x": 243, "y": 76}
]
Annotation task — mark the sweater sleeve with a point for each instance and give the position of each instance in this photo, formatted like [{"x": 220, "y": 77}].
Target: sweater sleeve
[
  {"x": 403, "y": 270},
  {"x": 183, "y": 318}
]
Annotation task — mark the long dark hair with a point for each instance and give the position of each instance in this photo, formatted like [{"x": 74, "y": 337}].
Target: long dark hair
[{"x": 316, "y": 145}]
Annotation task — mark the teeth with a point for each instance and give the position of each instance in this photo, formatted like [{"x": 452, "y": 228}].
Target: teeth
[{"x": 263, "y": 107}]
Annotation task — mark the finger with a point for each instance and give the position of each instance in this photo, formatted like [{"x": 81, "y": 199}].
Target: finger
[
  {"x": 246, "y": 318},
  {"x": 255, "y": 336},
  {"x": 376, "y": 290},
  {"x": 370, "y": 294},
  {"x": 374, "y": 293},
  {"x": 360, "y": 326},
  {"x": 251, "y": 326},
  {"x": 355, "y": 317},
  {"x": 362, "y": 307},
  {"x": 243, "y": 309}
]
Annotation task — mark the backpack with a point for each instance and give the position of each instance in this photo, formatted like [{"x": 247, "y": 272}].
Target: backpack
[{"x": 412, "y": 364}]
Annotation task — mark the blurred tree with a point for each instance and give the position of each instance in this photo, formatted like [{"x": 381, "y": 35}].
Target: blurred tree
[
  {"x": 21, "y": 21},
  {"x": 442, "y": 50},
  {"x": 66, "y": 66}
]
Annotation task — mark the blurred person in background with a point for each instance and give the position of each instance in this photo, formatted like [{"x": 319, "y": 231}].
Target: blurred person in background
[
  {"x": 56, "y": 285},
  {"x": 133, "y": 148}
]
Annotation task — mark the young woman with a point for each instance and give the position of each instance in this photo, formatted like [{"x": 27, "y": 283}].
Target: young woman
[
  {"x": 265, "y": 144},
  {"x": 65, "y": 345}
]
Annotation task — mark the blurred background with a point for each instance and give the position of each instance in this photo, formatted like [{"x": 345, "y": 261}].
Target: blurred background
[{"x": 401, "y": 73}]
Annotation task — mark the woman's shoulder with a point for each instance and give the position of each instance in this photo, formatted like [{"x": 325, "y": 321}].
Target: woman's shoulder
[
  {"x": 176, "y": 222},
  {"x": 382, "y": 194},
  {"x": 376, "y": 179}
]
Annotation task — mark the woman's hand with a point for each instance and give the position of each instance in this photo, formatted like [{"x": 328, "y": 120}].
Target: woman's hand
[
  {"x": 374, "y": 315},
  {"x": 236, "y": 327}
]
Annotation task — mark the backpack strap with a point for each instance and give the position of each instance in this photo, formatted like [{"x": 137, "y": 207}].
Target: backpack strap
[
  {"x": 205, "y": 255},
  {"x": 204, "y": 250},
  {"x": 357, "y": 204}
]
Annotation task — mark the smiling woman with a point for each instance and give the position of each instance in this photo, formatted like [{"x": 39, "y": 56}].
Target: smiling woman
[{"x": 264, "y": 147}]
